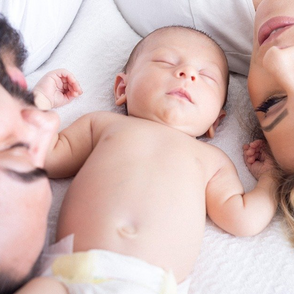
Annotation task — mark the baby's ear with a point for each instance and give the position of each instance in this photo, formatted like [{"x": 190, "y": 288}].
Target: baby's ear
[
  {"x": 120, "y": 89},
  {"x": 211, "y": 131}
]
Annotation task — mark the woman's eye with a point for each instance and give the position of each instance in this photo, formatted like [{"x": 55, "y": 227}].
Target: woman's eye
[{"x": 270, "y": 102}]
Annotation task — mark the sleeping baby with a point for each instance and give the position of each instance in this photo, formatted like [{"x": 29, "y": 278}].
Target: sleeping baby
[{"x": 137, "y": 206}]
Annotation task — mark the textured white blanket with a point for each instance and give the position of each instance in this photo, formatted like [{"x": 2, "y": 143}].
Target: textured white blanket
[{"x": 95, "y": 49}]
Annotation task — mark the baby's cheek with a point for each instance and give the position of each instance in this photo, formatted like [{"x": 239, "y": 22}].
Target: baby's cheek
[{"x": 17, "y": 76}]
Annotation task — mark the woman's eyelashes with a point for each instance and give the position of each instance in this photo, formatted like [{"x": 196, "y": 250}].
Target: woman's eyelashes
[{"x": 270, "y": 102}]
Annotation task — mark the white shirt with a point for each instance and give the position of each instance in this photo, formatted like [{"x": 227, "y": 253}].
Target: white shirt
[
  {"x": 228, "y": 22},
  {"x": 42, "y": 23}
]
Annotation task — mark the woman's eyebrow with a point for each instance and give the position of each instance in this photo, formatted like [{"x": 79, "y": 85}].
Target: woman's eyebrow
[
  {"x": 27, "y": 177},
  {"x": 276, "y": 121}
]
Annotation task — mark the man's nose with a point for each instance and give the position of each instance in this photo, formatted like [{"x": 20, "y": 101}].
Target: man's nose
[
  {"x": 279, "y": 62},
  {"x": 38, "y": 129},
  {"x": 41, "y": 120}
]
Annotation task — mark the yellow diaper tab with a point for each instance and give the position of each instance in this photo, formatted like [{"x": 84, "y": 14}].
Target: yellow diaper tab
[
  {"x": 100, "y": 269},
  {"x": 76, "y": 268},
  {"x": 169, "y": 284}
]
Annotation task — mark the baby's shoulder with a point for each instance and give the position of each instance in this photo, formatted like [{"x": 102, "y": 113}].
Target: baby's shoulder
[
  {"x": 210, "y": 148},
  {"x": 213, "y": 155},
  {"x": 100, "y": 118}
]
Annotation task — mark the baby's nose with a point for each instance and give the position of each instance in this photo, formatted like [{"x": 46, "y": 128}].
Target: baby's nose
[
  {"x": 186, "y": 72},
  {"x": 187, "y": 75}
]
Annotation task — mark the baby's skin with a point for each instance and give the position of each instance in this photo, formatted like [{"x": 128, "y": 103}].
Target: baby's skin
[
  {"x": 149, "y": 199},
  {"x": 144, "y": 183}
]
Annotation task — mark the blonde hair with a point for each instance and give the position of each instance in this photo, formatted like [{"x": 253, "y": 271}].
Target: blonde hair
[
  {"x": 285, "y": 199},
  {"x": 284, "y": 193}
]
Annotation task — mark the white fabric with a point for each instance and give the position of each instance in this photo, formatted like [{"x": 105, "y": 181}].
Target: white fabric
[
  {"x": 42, "y": 24},
  {"x": 107, "y": 272},
  {"x": 95, "y": 49},
  {"x": 229, "y": 22}
]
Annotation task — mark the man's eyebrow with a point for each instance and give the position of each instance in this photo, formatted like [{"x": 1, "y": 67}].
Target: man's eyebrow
[
  {"x": 27, "y": 177},
  {"x": 276, "y": 121},
  {"x": 14, "y": 89}
]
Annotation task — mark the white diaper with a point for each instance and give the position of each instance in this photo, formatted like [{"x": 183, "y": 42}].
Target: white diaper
[{"x": 101, "y": 271}]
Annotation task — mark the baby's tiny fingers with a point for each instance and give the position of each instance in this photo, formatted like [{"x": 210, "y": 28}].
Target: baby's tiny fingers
[
  {"x": 250, "y": 159},
  {"x": 250, "y": 152}
]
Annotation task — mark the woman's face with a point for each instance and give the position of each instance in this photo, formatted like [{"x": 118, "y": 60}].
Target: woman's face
[{"x": 271, "y": 77}]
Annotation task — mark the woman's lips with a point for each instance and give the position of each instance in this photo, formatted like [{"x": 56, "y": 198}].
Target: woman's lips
[{"x": 273, "y": 28}]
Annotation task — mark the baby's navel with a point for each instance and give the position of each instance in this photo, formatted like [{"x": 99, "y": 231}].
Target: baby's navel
[{"x": 127, "y": 231}]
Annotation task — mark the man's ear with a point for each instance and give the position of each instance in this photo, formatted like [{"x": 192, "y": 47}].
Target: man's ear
[
  {"x": 120, "y": 89},
  {"x": 211, "y": 131}
]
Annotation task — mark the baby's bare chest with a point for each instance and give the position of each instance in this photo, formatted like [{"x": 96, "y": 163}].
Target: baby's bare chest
[{"x": 154, "y": 154}]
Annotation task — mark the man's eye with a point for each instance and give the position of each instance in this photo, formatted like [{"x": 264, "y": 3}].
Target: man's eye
[
  {"x": 270, "y": 102},
  {"x": 19, "y": 145}
]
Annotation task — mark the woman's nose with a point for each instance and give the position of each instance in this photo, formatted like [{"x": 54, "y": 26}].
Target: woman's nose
[
  {"x": 186, "y": 72},
  {"x": 279, "y": 63}
]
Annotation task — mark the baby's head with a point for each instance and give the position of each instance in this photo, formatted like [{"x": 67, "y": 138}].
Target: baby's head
[{"x": 176, "y": 76}]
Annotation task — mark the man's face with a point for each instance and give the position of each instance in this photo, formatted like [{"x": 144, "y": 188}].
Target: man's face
[{"x": 25, "y": 195}]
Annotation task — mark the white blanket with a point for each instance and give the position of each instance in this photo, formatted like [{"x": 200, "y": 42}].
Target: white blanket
[{"x": 95, "y": 49}]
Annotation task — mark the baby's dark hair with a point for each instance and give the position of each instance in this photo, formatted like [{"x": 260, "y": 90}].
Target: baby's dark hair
[
  {"x": 11, "y": 43},
  {"x": 140, "y": 45}
]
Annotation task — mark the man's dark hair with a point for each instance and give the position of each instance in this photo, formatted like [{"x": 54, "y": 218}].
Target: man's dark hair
[
  {"x": 13, "y": 88},
  {"x": 9, "y": 284},
  {"x": 11, "y": 42},
  {"x": 11, "y": 46}
]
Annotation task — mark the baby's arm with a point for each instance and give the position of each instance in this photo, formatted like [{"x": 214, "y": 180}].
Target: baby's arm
[
  {"x": 72, "y": 146},
  {"x": 56, "y": 88},
  {"x": 237, "y": 212},
  {"x": 42, "y": 285}
]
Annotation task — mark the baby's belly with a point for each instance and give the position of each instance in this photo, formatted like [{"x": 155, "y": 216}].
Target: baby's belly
[{"x": 135, "y": 207}]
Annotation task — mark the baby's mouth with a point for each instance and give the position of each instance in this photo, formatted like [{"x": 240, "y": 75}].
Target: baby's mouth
[{"x": 181, "y": 93}]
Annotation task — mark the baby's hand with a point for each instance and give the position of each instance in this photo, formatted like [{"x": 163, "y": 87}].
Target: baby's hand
[
  {"x": 56, "y": 88},
  {"x": 257, "y": 161}
]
